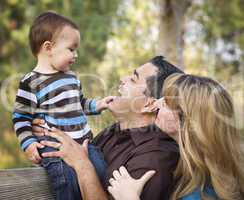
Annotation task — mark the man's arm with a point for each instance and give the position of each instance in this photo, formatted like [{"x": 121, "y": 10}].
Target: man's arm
[
  {"x": 76, "y": 156},
  {"x": 90, "y": 187}
]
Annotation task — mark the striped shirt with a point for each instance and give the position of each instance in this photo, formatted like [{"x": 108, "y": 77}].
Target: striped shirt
[{"x": 58, "y": 99}]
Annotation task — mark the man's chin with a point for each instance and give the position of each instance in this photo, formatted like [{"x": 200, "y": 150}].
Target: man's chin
[
  {"x": 119, "y": 105},
  {"x": 122, "y": 92}
]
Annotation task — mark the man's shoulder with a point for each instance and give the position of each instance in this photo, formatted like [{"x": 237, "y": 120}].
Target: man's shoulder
[
  {"x": 153, "y": 139},
  {"x": 155, "y": 149},
  {"x": 158, "y": 144},
  {"x": 105, "y": 134}
]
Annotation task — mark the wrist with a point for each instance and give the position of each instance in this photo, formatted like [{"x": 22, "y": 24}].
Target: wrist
[
  {"x": 28, "y": 143},
  {"x": 84, "y": 172},
  {"x": 81, "y": 166},
  {"x": 98, "y": 105},
  {"x": 136, "y": 197}
]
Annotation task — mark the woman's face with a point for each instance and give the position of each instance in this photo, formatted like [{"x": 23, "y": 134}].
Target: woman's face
[{"x": 167, "y": 119}]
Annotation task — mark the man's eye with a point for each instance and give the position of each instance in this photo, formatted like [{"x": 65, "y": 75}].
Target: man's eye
[{"x": 132, "y": 79}]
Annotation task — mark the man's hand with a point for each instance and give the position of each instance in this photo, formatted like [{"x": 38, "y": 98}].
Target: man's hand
[
  {"x": 70, "y": 151},
  {"x": 104, "y": 103},
  {"x": 76, "y": 156},
  {"x": 32, "y": 153},
  {"x": 124, "y": 187}
]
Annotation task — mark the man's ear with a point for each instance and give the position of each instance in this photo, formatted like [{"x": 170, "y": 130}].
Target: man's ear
[
  {"x": 47, "y": 47},
  {"x": 150, "y": 106}
]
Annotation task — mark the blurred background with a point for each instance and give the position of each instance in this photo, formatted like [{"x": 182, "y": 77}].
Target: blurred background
[{"x": 203, "y": 37}]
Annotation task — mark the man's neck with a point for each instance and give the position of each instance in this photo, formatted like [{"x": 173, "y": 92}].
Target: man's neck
[{"x": 136, "y": 121}]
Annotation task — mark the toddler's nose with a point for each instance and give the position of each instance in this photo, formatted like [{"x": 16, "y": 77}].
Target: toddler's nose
[{"x": 75, "y": 54}]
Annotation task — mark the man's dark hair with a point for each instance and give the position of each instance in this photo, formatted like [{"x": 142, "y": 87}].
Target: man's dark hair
[{"x": 155, "y": 83}]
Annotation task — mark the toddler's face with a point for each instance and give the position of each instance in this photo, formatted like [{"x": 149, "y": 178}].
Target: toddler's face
[{"x": 64, "y": 49}]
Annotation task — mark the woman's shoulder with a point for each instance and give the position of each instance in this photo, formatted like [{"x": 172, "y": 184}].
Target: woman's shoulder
[{"x": 196, "y": 194}]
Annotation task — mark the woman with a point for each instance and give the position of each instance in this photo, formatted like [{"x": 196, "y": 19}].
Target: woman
[{"x": 203, "y": 123}]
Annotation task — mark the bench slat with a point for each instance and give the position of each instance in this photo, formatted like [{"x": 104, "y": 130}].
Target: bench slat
[{"x": 25, "y": 184}]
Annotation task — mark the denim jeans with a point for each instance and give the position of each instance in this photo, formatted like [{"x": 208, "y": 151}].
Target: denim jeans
[{"x": 63, "y": 178}]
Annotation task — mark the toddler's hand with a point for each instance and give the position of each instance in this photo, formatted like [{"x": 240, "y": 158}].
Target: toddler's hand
[
  {"x": 32, "y": 152},
  {"x": 103, "y": 103}
]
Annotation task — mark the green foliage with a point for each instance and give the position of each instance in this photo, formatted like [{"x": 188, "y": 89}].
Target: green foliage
[
  {"x": 116, "y": 37},
  {"x": 94, "y": 20},
  {"x": 223, "y": 25},
  {"x": 224, "y": 19},
  {"x": 93, "y": 17}
]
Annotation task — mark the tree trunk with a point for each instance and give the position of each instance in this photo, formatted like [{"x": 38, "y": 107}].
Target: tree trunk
[{"x": 171, "y": 29}]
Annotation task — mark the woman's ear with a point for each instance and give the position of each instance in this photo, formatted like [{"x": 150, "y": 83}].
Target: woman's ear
[
  {"x": 47, "y": 47},
  {"x": 150, "y": 106}
]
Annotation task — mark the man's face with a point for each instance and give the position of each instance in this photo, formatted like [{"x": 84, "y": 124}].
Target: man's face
[{"x": 132, "y": 89}]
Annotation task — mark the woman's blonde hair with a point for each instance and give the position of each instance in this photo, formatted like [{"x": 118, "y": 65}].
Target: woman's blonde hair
[{"x": 209, "y": 142}]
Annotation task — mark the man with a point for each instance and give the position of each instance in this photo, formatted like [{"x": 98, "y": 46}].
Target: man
[{"x": 134, "y": 142}]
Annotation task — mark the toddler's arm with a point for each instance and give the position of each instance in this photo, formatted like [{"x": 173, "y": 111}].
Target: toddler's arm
[
  {"x": 24, "y": 107},
  {"x": 92, "y": 106}
]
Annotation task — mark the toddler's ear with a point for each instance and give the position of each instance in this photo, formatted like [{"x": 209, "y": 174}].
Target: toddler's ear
[
  {"x": 150, "y": 106},
  {"x": 46, "y": 47}
]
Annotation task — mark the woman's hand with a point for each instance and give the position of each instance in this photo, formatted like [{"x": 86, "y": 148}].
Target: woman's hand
[
  {"x": 152, "y": 105},
  {"x": 71, "y": 152},
  {"x": 124, "y": 187}
]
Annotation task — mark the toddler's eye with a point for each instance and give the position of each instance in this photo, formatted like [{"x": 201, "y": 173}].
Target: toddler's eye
[{"x": 71, "y": 49}]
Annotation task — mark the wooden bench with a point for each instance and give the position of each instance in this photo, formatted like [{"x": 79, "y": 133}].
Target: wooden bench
[{"x": 24, "y": 184}]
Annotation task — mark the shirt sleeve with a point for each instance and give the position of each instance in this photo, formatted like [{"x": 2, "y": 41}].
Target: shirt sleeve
[
  {"x": 160, "y": 186},
  {"x": 89, "y": 106},
  {"x": 24, "y": 108}
]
